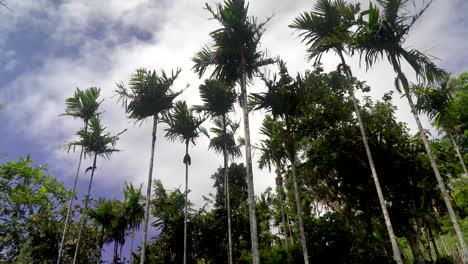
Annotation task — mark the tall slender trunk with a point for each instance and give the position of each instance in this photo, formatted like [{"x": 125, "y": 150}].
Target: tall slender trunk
[
  {"x": 120, "y": 251},
  {"x": 279, "y": 183},
  {"x": 116, "y": 247},
  {"x": 85, "y": 213},
  {"x": 431, "y": 237},
  {"x": 70, "y": 205},
  {"x": 148, "y": 190},
  {"x": 186, "y": 161},
  {"x": 388, "y": 223},
  {"x": 292, "y": 159},
  {"x": 131, "y": 247},
  {"x": 457, "y": 150},
  {"x": 101, "y": 243},
  {"x": 419, "y": 256},
  {"x": 226, "y": 189},
  {"x": 440, "y": 182},
  {"x": 248, "y": 161}
]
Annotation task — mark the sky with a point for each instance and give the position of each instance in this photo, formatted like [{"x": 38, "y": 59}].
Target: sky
[{"x": 48, "y": 48}]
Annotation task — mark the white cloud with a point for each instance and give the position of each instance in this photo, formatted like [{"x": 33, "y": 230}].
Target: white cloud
[{"x": 180, "y": 29}]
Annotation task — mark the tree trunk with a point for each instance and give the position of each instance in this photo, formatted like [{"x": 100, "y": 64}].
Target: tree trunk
[
  {"x": 226, "y": 190},
  {"x": 85, "y": 214},
  {"x": 388, "y": 223},
  {"x": 186, "y": 161},
  {"x": 248, "y": 161},
  {"x": 101, "y": 244},
  {"x": 279, "y": 182},
  {"x": 419, "y": 256},
  {"x": 131, "y": 247},
  {"x": 443, "y": 190},
  {"x": 148, "y": 191},
  {"x": 415, "y": 251},
  {"x": 457, "y": 150},
  {"x": 431, "y": 237},
  {"x": 70, "y": 205},
  {"x": 292, "y": 159}
]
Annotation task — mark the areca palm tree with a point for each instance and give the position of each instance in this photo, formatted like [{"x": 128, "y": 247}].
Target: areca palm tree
[
  {"x": 102, "y": 214},
  {"x": 328, "y": 29},
  {"x": 273, "y": 153},
  {"x": 437, "y": 103},
  {"x": 235, "y": 57},
  {"x": 96, "y": 141},
  {"x": 149, "y": 95},
  {"x": 218, "y": 101},
  {"x": 282, "y": 100},
  {"x": 185, "y": 127},
  {"x": 83, "y": 105},
  {"x": 134, "y": 209},
  {"x": 384, "y": 33}
]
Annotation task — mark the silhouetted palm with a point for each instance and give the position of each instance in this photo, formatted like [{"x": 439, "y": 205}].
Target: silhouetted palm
[{"x": 149, "y": 95}]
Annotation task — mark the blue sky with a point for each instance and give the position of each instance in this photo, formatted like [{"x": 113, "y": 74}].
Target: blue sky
[{"x": 48, "y": 48}]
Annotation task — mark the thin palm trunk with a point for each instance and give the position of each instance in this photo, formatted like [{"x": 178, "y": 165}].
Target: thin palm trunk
[
  {"x": 292, "y": 159},
  {"x": 120, "y": 251},
  {"x": 227, "y": 192},
  {"x": 248, "y": 161},
  {"x": 281, "y": 193},
  {"x": 419, "y": 256},
  {"x": 434, "y": 245},
  {"x": 186, "y": 200},
  {"x": 101, "y": 243},
  {"x": 440, "y": 182},
  {"x": 85, "y": 213},
  {"x": 70, "y": 205},
  {"x": 131, "y": 247},
  {"x": 388, "y": 223},
  {"x": 457, "y": 150},
  {"x": 148, "y": 191}
]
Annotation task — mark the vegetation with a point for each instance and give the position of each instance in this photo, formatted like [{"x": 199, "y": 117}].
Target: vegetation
[{"x": 353, "y": 184}]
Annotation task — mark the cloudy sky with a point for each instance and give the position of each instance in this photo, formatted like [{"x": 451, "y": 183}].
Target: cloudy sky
[{"x": 48, "y": 48}]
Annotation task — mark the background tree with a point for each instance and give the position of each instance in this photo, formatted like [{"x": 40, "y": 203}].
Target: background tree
[
  {"x": 185, "y": 127},
  {"x": 149, "y": 95},
  {"x": 83, "y": 105},
  {"x": 103, "y": 215},
  {"x": 235, "y": 58},
  {"x": 96, "y": 141},
  {"x": 273, "y": 153},
  {"x": 134, "y": 210},
  {"x": 329, "y": 28},
  {"x": 385, "y": 33},
  {"x": 438, "y": 104},
  {"x": 218, "y": 101},
  {"x": 282, "y": 100}
]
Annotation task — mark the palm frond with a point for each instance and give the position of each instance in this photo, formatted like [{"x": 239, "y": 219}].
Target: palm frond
[
  {"x": 149, "y": 93},
  {"x": 84, "y": 103},
  {"x": 183, "y": 125},
  {"x": 95, "y": 140}
]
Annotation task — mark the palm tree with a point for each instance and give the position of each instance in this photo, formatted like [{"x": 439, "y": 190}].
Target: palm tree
[
  {"x": 134, "y": 209},
  {"x": 385, "y": 33},
  {"x": 94, "y": 142},
  {"x": 150, "y": 95},
  {"x": 273, "y": 153},
  {"x": 186, "y": 128},
  {"x": 328, "y": 28},
  {"x": 235, "y": 57},
  {"x": 218, "y": 101},
  {"x": 437, "y": 103},
  {"x": 103, "y": 215},
  {"x": 282, "y": 100},
  {"x": 83, "y": 105}
]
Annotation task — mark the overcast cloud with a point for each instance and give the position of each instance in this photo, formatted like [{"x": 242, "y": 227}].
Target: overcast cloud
[{"x": 50, "y": 47}]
